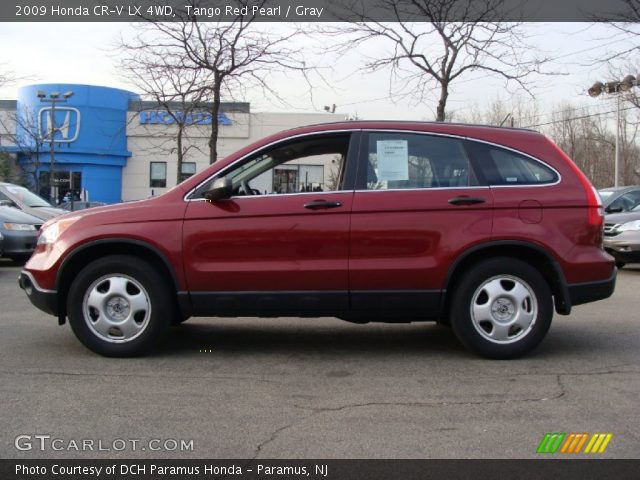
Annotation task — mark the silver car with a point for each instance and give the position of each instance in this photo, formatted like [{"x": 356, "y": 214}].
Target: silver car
[
  {"x": 620, "y": 199},
  {"x": 19, "y": 197},
  {"x": 622, "y": 236},
  {"x": 19, "y": 233}
]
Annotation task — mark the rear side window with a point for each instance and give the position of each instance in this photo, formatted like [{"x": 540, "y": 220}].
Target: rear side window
[
  {"x": 505, "y": 167},
  {"x": 414, "y": 161}
]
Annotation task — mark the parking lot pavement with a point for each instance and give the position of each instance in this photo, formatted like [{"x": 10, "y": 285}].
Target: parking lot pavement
[{"x": 322, "y": 388}]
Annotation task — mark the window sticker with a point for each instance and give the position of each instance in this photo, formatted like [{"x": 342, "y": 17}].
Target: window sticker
[{"x": 393, "y": 160}]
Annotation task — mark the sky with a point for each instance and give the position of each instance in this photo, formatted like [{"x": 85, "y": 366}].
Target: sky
[{"x": 84, "y": 53}]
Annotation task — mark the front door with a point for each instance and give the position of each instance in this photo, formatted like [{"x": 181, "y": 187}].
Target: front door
[{"x": 279, "y": 245}]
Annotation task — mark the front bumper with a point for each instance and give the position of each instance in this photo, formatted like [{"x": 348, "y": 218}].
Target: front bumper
[
  {"x": 17, "y": 242},
  {"x": 625, "y": 247},
  {"x": 45, "y": 300},
  {"x": 580, "y": 293}
]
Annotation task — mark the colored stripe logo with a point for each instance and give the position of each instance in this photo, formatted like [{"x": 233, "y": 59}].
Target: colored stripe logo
[{"x": 556, "y": 442}]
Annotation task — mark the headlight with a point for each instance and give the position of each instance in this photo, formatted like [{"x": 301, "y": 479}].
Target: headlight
[
  {"x": 629, "y": 226},
  {"x": 50, "y": 233},
  {"x": 19, "y": 226}
]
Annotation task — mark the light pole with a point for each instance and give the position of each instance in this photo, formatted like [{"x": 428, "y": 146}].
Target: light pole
[
  {"x": 54, "y": 97},
  {"x": 617, "y": 88}
]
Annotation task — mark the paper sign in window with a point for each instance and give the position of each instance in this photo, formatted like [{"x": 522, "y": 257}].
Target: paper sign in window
[{"x": 393, "y": 160}]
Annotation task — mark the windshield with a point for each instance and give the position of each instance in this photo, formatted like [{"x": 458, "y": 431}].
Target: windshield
[
  {"x": 605, "y": 194},
  {"x": 25, "y": 197}
]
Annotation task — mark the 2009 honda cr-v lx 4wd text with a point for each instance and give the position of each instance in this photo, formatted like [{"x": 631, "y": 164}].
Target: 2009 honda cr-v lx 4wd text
[{"x": 487, "y": 229}]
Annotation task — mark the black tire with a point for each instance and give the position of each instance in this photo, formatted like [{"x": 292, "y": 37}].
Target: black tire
[
  {"x": 501, "y": 273},
  {"x": 129, "y": 272},
  {"x": 620, "y": 264}
]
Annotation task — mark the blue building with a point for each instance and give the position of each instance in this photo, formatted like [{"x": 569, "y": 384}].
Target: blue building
[{"x": 90, "y": 140}]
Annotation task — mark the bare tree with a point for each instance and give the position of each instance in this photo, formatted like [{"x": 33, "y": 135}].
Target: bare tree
[
  {"x": 234, "y": 56},
  {"x": 22, "y": 130},
  {"x": 428, "y": 49},
  {"x": 175, "y": 88},
  {"x": 625, "y": 21},
  {"x": 588, "y": 140}
]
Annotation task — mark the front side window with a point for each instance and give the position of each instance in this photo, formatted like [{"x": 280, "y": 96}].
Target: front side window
[
  {"x": 158, "y": 174},
  {"x": 315, "y": 164},
  {"x": 410, "y": 161}
]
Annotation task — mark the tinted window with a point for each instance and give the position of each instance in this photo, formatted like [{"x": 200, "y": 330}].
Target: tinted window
[
  {"x": 409, "y": 161},
  {"x": 505, "y": 167}
]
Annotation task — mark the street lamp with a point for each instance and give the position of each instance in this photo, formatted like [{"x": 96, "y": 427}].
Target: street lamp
[
  {"x": 53, "y": 99},
  {"x": 617, "y": 88}
]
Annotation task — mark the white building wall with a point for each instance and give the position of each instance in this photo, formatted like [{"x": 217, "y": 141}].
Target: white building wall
[
  {"x": 156, "y": 143},
  {"x": 7, "y": 127}
]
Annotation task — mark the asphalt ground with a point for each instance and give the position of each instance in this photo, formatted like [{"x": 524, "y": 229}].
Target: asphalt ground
[{"x": 317, "y": 388}]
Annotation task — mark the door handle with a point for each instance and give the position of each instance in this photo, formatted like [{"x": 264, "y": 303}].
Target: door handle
[
  {"x": 464, "y": 200},
  {"x": 321, "y": 204}
]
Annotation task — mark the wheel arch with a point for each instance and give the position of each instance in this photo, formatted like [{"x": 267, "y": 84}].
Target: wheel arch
[
  {"x": 534, "y": 254},
  {"x": 81, "y": 256}
]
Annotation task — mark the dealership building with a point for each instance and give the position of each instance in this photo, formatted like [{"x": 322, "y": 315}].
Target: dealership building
[{"x": 111, "y": 146}]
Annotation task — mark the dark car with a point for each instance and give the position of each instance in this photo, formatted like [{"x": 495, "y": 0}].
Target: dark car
[
  {"x": 27, "y": 201},
  {"x": 620, "y": 199},
  {"x": 488, "y": 229},
  {"x": 622, "y": 236},
  {"x": 19, "y": 231},
  {"x": 80, "y": 205}
]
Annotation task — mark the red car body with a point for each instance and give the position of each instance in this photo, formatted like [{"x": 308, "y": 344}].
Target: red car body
[{"x": 392, "y": 254}]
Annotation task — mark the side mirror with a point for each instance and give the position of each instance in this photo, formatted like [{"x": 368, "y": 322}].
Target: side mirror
[
  {"x": 7, "y": 203},
  {"x": 616, "y": 209},
  {"x": 221, "y": 189}
]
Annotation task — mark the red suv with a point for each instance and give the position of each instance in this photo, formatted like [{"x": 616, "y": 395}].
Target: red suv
[{"x": 487, "y": 229}]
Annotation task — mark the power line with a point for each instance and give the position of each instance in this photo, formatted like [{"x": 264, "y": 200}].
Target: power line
[{"x": 578, "y": 118}]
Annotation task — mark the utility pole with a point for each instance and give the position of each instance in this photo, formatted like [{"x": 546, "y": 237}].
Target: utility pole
[
  {"x": 54, "y": 97},
  {"x": 618, "y": 88}
]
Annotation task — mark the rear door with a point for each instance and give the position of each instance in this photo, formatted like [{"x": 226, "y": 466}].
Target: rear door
[{"x": 417, "y": 205}]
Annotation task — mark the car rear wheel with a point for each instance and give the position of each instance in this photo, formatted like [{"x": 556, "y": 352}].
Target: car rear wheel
[
  {"x": 502, "y": 308},
  {"x": 620, "y": 264},
  {"x": 119, "y": 305}
]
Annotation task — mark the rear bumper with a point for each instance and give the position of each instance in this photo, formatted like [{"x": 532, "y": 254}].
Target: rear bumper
[
  {"x": 45, "y": 300},
  {"x": 580, "y": 293}
]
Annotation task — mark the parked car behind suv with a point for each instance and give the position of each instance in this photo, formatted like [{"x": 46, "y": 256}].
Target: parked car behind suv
[
  {"x": 18, "y": 232},
  {"x": 622, "y": 236},
  {"x": 620, "y": 199},
  {"x": 19, "y": 197},
  {"x": 489, "y": 229}
]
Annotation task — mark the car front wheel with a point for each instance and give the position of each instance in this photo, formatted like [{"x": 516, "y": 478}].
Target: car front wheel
[
  {"x": 502, "y": 308},
  {"x": 119, "y": 305}
]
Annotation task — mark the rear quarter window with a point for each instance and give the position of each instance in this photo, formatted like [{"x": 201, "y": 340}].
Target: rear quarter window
[{"x": 500, "y": 166}]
